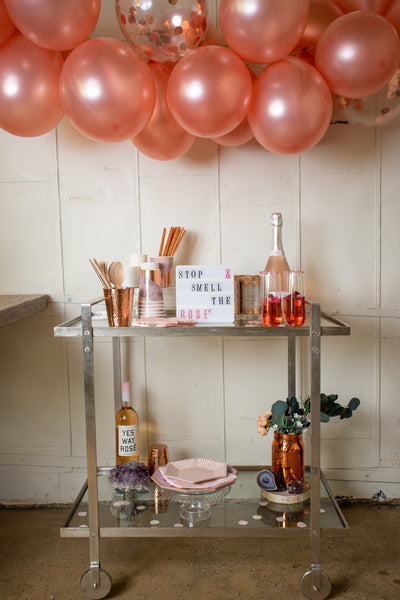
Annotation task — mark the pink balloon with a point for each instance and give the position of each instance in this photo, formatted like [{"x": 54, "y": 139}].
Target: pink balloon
[
  {"x": 291, "y": 107},
  {"x": 29, "y": 98},
  {"x": 55, "y": 24},
  {"x": 378, "y": 109},
  {"x": 378, "y": 6},
  {"x": 162, "y": 138},
  {"x": 107, "y": 90},
  {"x": 358, "y": 54},
  {"x": 213, "y": 36},
  {"x": 262, "y": 31},
  {"x": 209, "y": 91},
  {"x": 163, "y": 31},
  {"x": 238, "y": 136},
  {"x": 7, "y": 27},
  {"x": 322, "y": 13},
  {"x": 393, "y": 15}
]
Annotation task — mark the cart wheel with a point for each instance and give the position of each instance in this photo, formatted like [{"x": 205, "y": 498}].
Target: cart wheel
[
  {"x": 312, "y": 593},
  {"x": 96, "y": 593}
]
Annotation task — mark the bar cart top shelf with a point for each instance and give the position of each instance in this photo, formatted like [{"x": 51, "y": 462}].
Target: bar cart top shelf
[{"x": 243, "y": 326}]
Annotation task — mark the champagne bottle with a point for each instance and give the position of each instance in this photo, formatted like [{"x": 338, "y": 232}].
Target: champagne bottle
[
  {"x": 126, "y": 428},
  {"x": 277, "y": 259}
]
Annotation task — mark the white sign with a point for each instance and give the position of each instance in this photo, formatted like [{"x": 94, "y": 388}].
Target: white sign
[{"x": 205, "y": 293}]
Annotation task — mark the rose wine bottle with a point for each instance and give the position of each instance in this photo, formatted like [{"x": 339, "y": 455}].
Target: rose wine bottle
[
  {"x": 126, "y": 428},
  {"x": 277, "y": 259}
]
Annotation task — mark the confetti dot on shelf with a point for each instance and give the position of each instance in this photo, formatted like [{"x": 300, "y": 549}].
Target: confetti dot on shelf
[
  {"x": 256, "y": 517},
  {"x": 178, "y": 524},
  {"x": 140, "y": 507},
  {"x": 263, "y": 503},
  {"x": 280, "y": 519},
  {"x": 306, "y": 512},
  {"x": 155, "y": 522},
  {"x": 82, "y": 525},
  {"x": 238, "y": 500},
  {"x": 322, "y": 510},
  {"x": 301, "y": 524},
  {"x": 82, "y": 514},
  {"x": 243, "y": 523}
]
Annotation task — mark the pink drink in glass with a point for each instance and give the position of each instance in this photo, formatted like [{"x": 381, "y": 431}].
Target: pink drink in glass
[
  {"x": 294, "y": 309},
  {"x": 272, "y": 311}
]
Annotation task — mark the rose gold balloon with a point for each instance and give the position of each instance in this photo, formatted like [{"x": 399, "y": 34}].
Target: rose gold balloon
[
  {"x": 164, "y": 31},
  {"x": 7, "y": 27},
  {"x": 29, "y": 97},
  {"x": 209, "y": 91},
  {"x": 378, "y": 6},
  {"x": 358, "y": 54},
  {"x": 393, "y": 15},
  {"x": 212, "y": 37},
  {"x": 162, "y": 138},
  {"x": 107, "y": 90},
  {"x": 55, "y": 24},
  {"x": 262, "y": 31},
  {"x": 372, "y": 111},
  {"x": 291, "y": 107},
  {"x": 238, "y": 136},
  {"x": 322, "y": 13}
]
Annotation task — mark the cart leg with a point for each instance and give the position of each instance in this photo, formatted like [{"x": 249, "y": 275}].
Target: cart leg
[
  {"x": 315, "y": 584},
  {"x": 95, "y": 583}
]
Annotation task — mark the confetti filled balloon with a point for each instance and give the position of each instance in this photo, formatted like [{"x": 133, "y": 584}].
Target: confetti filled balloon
[
  {"x": 163, "y": 30},
  {"x": 378, "y": 109}
]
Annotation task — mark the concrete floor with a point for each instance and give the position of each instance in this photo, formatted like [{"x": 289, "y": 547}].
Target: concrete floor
[{"x": 36, "y": 564}]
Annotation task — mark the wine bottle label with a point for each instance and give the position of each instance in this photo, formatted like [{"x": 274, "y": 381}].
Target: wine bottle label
[
  {"x": 127, "y": 440},
  {"x": 276, "y": 253}
]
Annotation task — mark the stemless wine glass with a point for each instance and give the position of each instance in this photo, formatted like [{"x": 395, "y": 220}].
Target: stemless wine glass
[
  {"x": 271, "y": 300},
  {"x": 294, "y": 305}
]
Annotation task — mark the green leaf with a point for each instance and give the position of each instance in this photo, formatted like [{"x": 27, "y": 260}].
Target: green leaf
[
  {"x": 324, "y": 418},
  {"x": 279, "y": 407},
  {"x": 326, "y": 403},
  {"x": 346, "y": 413},
  {"x": 294, "y": 405},
  {"x": 334, "y": 410},
  {"x": 354, "y": 403}
]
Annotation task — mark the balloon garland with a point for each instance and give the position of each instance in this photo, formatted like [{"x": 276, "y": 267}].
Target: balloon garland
[{"x": 176, "y": 78}]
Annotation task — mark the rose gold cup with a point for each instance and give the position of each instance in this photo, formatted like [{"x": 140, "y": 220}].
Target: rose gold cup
[
  {"x": 119, "y": 304},
  {"x": 158, "y": 457},
  {"x": 166, "y": 269}
]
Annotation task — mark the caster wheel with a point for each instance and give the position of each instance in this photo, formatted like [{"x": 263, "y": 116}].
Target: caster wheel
[
  {"x": 99, "y": 592},
  {"x": 312, "y": 593}
]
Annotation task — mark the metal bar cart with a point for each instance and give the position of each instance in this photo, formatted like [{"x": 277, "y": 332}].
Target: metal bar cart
[{"x": 94, "y": 498}]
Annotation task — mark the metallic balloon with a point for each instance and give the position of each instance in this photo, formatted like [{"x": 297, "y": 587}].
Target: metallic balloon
[
  {"x": 107, "y": 90},
  {"x": 358, "y": 54},
  {"x": 29, "y": 96},
  {"x": 163, "y": 30},
  {"x": 55, "y": 24}
]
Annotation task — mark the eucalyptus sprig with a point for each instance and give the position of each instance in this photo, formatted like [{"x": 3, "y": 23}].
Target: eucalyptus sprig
[{"x": 292, "y": 416}]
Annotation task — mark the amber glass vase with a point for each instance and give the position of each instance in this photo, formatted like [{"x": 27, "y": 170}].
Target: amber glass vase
[{"x": 287, "y": 458}]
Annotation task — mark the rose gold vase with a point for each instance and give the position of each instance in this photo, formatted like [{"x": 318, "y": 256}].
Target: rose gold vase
[{"x": 287, "y": 458}]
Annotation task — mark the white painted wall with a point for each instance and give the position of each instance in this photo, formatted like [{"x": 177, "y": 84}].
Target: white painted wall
[{"x": 64, "y": 198}]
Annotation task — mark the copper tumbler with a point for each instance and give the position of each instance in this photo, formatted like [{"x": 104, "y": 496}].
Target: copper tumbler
[
  {"x": 158, "y": 456},
  {"x": 119, "y": 304}
]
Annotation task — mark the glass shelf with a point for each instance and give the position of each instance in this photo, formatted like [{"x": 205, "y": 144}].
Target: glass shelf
[
  {"x": 244, "y": 326},
  {"x": 242, "y": 513}
]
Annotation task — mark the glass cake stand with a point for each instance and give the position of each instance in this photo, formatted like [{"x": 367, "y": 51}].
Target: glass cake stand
[{"x": 195, "y": 505}]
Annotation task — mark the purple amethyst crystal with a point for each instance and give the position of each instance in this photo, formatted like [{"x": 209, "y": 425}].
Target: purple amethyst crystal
[{"x": 294, "y": 486}]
